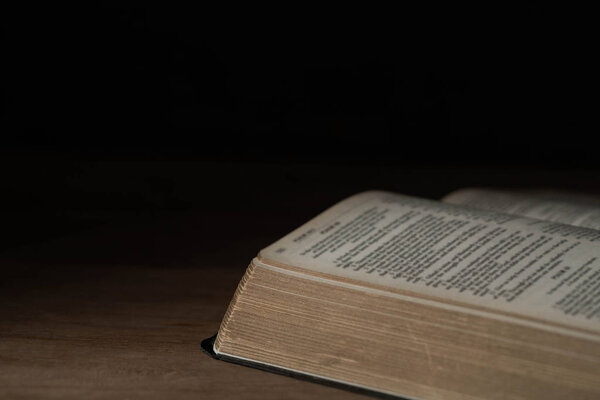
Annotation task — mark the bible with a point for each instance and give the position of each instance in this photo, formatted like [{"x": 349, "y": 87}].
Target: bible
[{"x": 482, "y": 295}]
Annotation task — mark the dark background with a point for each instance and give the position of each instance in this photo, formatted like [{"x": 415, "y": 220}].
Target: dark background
[{"x": 211, "y": 128}]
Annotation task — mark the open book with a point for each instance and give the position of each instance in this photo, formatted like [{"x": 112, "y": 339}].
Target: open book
[{"x": 483, "y": 295}]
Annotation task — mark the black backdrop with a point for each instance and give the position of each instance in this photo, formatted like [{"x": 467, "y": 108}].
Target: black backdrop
[{"x": 115, "y": 114}]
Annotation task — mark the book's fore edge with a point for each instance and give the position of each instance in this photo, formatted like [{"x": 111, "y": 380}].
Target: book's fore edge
[
  {"x": 208, "y": 344},
  {"x": 238, "y": 291},
  {"x": 465, "y": 307}
]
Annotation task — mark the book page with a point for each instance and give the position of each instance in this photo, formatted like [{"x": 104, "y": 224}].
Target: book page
[
  {"x": 556, "y": 208},
  {"x": 501, "y": 262}
]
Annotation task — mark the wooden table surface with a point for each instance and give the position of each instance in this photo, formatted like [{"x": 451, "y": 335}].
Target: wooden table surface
[{"x": 79, "y": 318}]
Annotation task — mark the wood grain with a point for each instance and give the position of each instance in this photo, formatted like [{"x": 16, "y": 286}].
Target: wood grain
[{"x": 124, "y": 331}]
